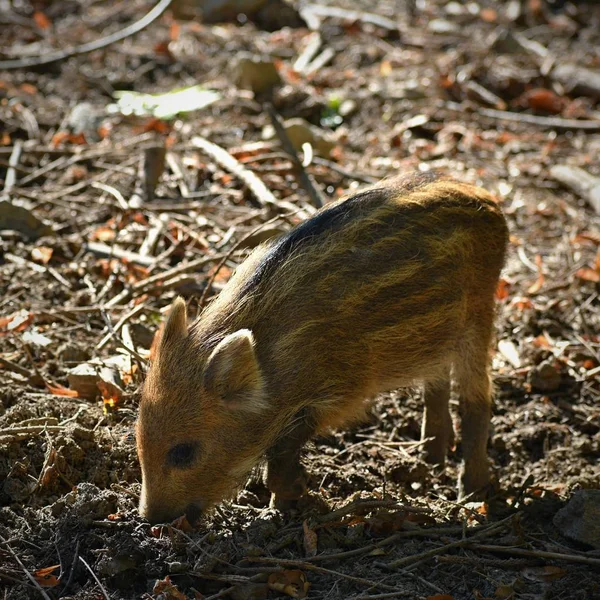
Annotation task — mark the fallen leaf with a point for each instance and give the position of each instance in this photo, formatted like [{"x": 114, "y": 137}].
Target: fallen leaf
[
  {"x": 167, "y": 590},
  {"x": 45, "y": 578},
  {"x": 385, "y": 68},
  {"x": 16, "y": 322},
  {"x": 440, "y": 597},
  {"x": 59, "y": 390},
  {"x": 489, "y": 15},
  {"x": 41, "y": 20},
  {"x": 588, "y": 274},
  {"x": 310, "y": 540},
  {"x": 502, "y": 289},
  {"x": 42, "y": 254},
  {"x": 509, "y": 351},
  {"x": 292, "y": 583},
  {"x": 542, "y": 100}
]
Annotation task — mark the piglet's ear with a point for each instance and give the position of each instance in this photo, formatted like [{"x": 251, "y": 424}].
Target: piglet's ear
[
  {"x": 233, "y": 374},
  {"x": 175, "y": 327}
]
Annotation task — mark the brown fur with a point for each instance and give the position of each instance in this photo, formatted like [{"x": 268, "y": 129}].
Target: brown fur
[{"x": 397, "y": 288}]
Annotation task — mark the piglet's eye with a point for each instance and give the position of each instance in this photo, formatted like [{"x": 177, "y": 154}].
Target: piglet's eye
[{"x": 182, "y": 455}]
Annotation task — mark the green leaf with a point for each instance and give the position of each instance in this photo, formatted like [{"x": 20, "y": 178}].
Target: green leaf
[{"x": 164, "y": 106}]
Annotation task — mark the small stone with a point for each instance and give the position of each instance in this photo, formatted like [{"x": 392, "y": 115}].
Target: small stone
[
  {"x": 255, "y": 73},
  {"x": 72, "y": 353},
  {"x": 579, "y": 520},
  {"x": 545, "y": 377},
  {"x": 301, "y": 132}
]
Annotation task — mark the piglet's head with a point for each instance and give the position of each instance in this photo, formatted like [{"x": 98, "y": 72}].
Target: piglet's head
[{"x": 199, "y": 426}]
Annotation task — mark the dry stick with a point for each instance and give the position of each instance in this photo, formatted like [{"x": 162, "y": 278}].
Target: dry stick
[
  {"x": 368, "y": 505},
  {"x": 407, "y": 560},
  {"x": 117, "y": 327},
  {"x": 35, "y": 61},
  {"x": 550, "y": 122},
  {"x": 140, "y": 286},
  {"x": 433, "y": 531},
  {"x": 11, "y": 173},
  {"x": 310, "y": 567},
  {"x": 231, "y": 164},
  {"x": 316, "y": 196},
  {"x": 95, "y": 578},
  {"x": 586, "y": 560},
  {"x": 29, "y": 575},
  {"x": 15, "y": 368},
  {"x": 231, "y": 251}
]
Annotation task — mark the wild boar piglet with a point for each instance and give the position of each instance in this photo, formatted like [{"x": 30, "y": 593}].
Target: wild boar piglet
[{"x": 390, "y": 286}]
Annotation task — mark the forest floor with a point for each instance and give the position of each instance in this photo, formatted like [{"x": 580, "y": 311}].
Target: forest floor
[{"x": 100, "y": 213}]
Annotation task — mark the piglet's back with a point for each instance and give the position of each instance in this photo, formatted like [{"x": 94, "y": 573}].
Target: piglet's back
[{"x": 370, "y": 291}]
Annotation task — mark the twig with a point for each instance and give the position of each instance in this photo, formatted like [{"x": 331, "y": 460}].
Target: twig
[
  {"x": 73, "y": 565},
  {"x": 29, "y": 575},
  {"x": 586, "y": 560},
  {"x": 141, "y": 286},
  {"x": 11, "y": 172},
  {"x": 15, "y": 368},
  {"x": 120, "y": 342},
  {"x": 407, "y": 560},
  {"x": 306, "y": 180},
  {"x": 363, "y": 505},
  {"x": 117, "y": 327},
  {"x": 550, "y": 122},
  {"x": 95, "y": 578},
  {"x": 231, "y": 164},
  {"x": 211, "y": 279},
  {"x": 392, "y": 539},
  {"x": 310, "y": 567},
  {"x": 50, "y": 57}
]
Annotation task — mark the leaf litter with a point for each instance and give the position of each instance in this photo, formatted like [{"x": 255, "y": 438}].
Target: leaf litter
[{"x": 104, "y": 212}]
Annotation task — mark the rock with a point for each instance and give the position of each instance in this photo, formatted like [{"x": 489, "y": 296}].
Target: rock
[
  {"x": 545, "y": 377},
  {"x": 579, "y": 520},
  {"x": 17, "y": 218},
  {"x": 300, "y": 132},
  {"x": 228, "y": 10},
  {"x": 87, "y": 378},
  {"x": 581, "y": 182},
  {"x": 578, "y": 80},
  {"x": 255, "y": 73},
  {"x": 72, "y": 353}
]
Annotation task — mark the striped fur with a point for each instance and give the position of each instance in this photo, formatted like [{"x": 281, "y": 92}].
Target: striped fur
[{"x": 391, "y": 286}]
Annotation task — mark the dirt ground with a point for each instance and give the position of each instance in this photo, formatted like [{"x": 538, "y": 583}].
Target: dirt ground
[{"x": 472, "y": 89}]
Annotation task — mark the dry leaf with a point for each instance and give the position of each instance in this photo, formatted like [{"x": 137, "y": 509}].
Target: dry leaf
[
  {"x": 588, "y": 274},
  {"x": 503, "y": 289},
  {"x": 440, "y": 597},
  {"x": 18, "y": 321},
  {"x": 310, "y": 540},
  {"x": 45, "y": 578},
  {"x": 41, "y": 20},
  {"x": 542, "y": 99},
  {"x": 42, "y": 254},
  {"x": 167, "y": 590},
  {"x": 385, "y": 68},
  {"x": 292, "y": 583},
  {"x": 59, "y": 390},
  {"x": 489, "y": 15}
]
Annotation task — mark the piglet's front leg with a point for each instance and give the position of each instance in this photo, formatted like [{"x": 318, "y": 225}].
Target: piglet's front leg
[{"x": 286, "y": 477}]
